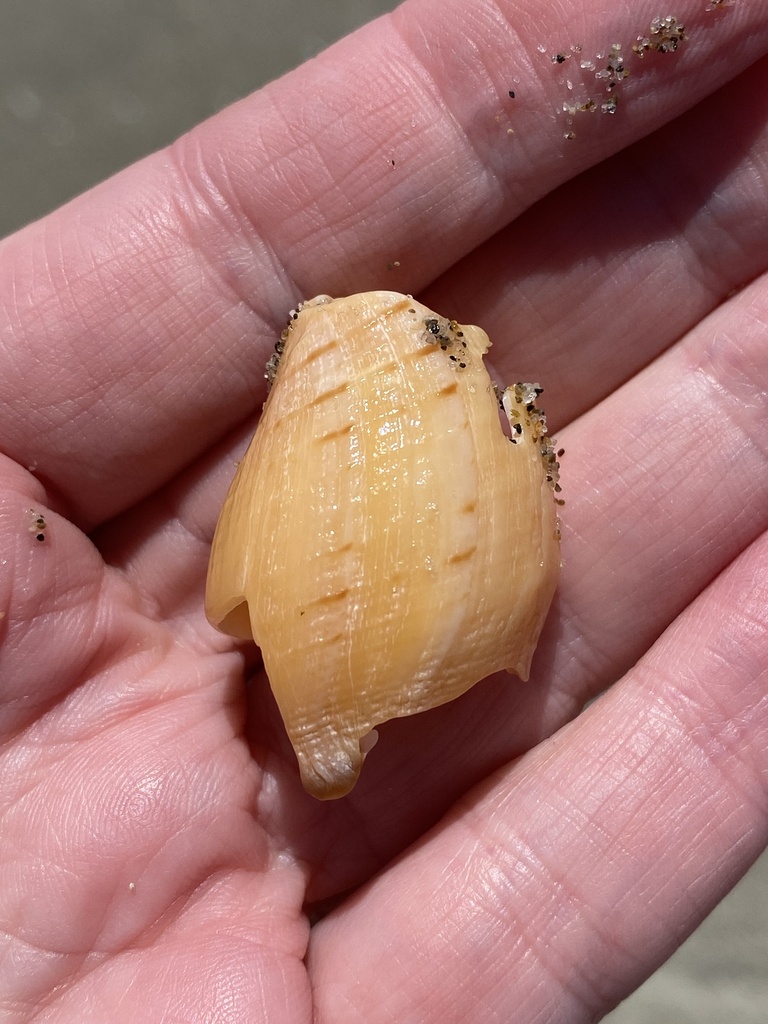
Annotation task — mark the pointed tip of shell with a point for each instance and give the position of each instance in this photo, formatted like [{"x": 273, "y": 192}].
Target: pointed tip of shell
[
  {"x": 331, "y": 770},
  {"x": 331, "y": 775}
]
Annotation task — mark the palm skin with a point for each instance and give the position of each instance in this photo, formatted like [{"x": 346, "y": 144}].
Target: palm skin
[{"x": 503, "y": 857}]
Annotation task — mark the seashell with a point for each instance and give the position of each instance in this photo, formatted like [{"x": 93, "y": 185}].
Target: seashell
[{"x": 384, "y": 542}]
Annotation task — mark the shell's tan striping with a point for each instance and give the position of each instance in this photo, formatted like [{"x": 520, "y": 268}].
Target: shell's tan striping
[{"x": 384, "y": 542}]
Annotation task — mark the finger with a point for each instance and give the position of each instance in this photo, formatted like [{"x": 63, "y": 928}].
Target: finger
[
  {"x": 605, "y": 273},
  {"x": 139, "y": 317},
  {"x": 555, "y": 889}
]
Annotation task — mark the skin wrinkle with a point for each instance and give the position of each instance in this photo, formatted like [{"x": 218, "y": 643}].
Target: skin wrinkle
[
  {"x": 98, "y": 265},
  {"x": 695, "y": 709},
  {"x": 585, "y": 661},
  {"x": 167, "y": 509},
  {"x": 481, "y": 154},
  {"x": 415, "y": 229},
  {"x": 55, "y": 953},
  {"x": 706, "y": 267},
  {"x": 514, "y": 189},
  {"x": 109, "y": 658},
  {"x": 163, "y": 927},
  {"x": 213, "y": 198},
  {"x": 80, "y": 666},
  {"x": 728, "y": 737},
  {"x": 307, "y": 201},
  {"x": 145, "y": 693},
  {"x": 692, "y": 364},
  {"x": 168, "y": 924},
  {"x": 168, "y": 916},
  {"x": 31, "y": 1004},
  {"x": 503, "y": 862},
  {"x": 177, "y": 511},
  {"x": 742, "y": 400},
  {"x": 701, "y": 264}
]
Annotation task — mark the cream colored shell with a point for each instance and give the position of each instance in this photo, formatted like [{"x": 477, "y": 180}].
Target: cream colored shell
[{"x": 383, "y": 542}]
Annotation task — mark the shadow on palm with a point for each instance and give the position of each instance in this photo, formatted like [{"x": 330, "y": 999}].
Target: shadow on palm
[{"x": 421, "y": 766}]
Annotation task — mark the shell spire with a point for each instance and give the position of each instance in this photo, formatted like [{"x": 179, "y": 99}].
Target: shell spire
[{"x": 384, "y": 542}]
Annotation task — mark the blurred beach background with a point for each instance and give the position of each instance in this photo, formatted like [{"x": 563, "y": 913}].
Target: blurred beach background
[{"x": 88, "y": 86}]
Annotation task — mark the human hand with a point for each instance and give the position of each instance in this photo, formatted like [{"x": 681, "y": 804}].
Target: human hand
[{"x": 501, "y": 858}]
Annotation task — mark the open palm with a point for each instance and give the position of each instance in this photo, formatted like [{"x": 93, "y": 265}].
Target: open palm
[{"x": 504, "y": 858}]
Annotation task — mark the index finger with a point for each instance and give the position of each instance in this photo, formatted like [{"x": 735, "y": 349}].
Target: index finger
[{"x": 139, "y": 317}]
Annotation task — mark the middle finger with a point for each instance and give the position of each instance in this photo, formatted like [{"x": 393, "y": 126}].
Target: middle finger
[{"x": 606, "y": 272}]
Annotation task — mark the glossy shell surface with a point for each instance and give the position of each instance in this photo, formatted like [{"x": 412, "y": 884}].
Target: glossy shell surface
[{"x": 384, "y": 542}]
